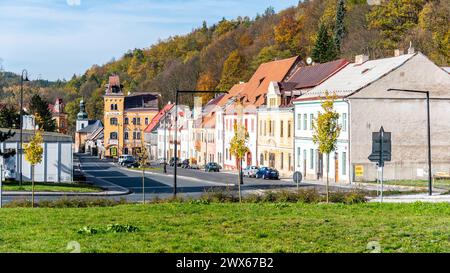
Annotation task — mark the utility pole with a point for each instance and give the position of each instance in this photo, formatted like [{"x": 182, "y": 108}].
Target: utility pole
[{"x": 427, "y": 93}]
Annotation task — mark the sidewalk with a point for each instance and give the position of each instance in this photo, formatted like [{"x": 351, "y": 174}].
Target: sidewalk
[
  {"x": 81, "y": 194},
  {"x": 412, "y": 198}
]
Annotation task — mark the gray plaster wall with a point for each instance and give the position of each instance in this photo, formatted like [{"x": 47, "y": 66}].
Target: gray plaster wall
[{"x": 404, "y": 115}]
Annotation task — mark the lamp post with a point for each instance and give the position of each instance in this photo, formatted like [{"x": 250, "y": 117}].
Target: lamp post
[
  {"x": 23, "y": 78},
  {"x": 177, "y": 95},
  {"x": 427, "y": 93}
]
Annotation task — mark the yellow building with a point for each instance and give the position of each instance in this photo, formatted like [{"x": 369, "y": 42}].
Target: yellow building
[
  {"x": 125, "y": 119},
  {"x": 276, "y": 133}
]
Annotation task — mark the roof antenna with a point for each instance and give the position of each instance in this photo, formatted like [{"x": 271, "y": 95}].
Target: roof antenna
[{"x": 411, "y": 48}]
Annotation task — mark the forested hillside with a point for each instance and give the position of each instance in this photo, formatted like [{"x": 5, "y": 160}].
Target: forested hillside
[{"x": 220, "y": 55}]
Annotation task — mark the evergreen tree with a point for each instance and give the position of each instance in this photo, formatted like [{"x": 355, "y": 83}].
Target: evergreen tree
[
  {"x": 324, "y": 49},
  {"x": 39, "y": 108},
  {"x": 339, "y": 28},
  {"x": 9, "y": 118}
]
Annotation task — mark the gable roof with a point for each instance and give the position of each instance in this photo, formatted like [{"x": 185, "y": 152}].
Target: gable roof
[
  {"x": 310, "y": 76},
  {"x": 156, "y": 119},
  {"x": 257, "y": 86},
  {"x": 92, "y": 126},
  {"x": 354, "y": 77}
]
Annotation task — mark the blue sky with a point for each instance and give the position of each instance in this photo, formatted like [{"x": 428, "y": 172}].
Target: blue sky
[{"x": 53, "y": 39}]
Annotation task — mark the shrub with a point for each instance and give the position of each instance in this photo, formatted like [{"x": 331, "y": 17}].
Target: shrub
[{"x": 68, "y": 203}]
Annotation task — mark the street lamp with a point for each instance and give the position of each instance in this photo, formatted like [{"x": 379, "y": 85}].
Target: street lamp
[
  {"x": 430, "y": 185},
  {"x": 23, "y": 78},
  {"x": 176, "y": 130}
]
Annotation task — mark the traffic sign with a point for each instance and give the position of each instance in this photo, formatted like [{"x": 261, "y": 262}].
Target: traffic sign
[
  {"x": 298, "y": 178},
  {"x": 381, "y": 147}
]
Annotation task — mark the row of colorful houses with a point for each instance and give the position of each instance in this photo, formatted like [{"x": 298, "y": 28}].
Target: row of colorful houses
[{"x": 282, "y": 99}]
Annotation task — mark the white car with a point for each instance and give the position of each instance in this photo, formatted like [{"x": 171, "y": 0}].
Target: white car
[
  {"x": 123, "y": 157},
  {"x": 250, "y": 171}
]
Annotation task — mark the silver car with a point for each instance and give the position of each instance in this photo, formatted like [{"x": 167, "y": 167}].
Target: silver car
[{"x": 250, "y": 171}]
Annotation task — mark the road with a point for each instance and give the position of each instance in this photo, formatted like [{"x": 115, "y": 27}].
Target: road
[{"x": 157, "y": 184}]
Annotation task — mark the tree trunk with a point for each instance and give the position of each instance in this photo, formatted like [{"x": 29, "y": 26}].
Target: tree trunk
[
  {"x": 32, "y": 186},
  {"x": 328, "y": 171},
  {"x": 143, "y": 185},
  {"x": 240, "y": 179}
]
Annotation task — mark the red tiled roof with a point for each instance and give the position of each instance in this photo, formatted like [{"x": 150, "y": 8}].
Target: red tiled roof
[
  {"x": 310, "y": 76},
  {"x": 257, "y": 86},
  {"x": 156, "y": 119}
]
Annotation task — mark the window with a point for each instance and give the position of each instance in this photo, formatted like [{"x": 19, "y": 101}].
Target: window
[
  {"x": 282, "y": 161},
  {"x": 290, "y": 162},
  {"x": 311, "y": 158},
  {"x": 344, "y": 163},
  {"x": 261, "y": 159},
  {"x": 253, "y": 125},
  {"x": 299, "y": 151},
  {"x": 311, "y": 122},
  {"x": 138, "y": 121},
  {"x": 113, "y": 121},
  {"x": 273, "y": 128},
  {"x": 289, "y": 134},
  {"x": 146, "y": 121},
  {"x": 281, "y": 129},
  {"x": 299, "y": 121},
  {"x": 265, "y": 128},
  {"x": 344, "y": 122},
  {"x": 126, "y": 136},
  {"x": 82, "y": 125},
  {"x": 126, "y": 121},
  {"x": 113, "y": 135},
  {"x": 134, "y": 121},
  {"x": 305, "y": 122},
  {"x": 246, "y": 124}
]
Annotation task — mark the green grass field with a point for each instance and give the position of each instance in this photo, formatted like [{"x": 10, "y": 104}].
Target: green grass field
[
  {"x": 265, "y": 227},
  {"x": 49, "y": 187}
]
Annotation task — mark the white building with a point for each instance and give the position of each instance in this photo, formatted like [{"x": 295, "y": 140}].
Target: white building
[
  {"x": 57, "y": 160},
  {"x": 365, "y": 105}
]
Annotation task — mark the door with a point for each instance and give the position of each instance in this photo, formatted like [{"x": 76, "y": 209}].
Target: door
[
  {"x": 249, "y": 159},
  {"x": 319, "y": 168}
]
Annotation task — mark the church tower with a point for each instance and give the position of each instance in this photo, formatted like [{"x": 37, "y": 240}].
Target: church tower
[{"x": 82, "y": 117}]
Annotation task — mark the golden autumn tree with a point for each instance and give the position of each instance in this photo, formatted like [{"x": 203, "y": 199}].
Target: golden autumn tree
[
  {"x": 326, "y": 131},
  {"x": 206, "y": 82},
  {"x": 33, "y": 154}
]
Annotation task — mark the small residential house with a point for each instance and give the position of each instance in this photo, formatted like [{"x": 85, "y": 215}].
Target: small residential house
[
  {"x": 276, "y": 117},
  {"x": 365, "y": 105},
  {"x": 151, "y": 132},
  {"x": 84, "y": 128}
]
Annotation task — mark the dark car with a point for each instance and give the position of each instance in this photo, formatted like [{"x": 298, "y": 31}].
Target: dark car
[
  {"x": 130, "y": 163},
  {"x": 267, "y": 173},
  {"x": 185, "y": 164},
  {"x": 172, "y": 162},
  {"x": 212, "y": 167}
]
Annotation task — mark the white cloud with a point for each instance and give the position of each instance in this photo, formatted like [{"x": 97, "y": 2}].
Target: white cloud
[{"x": 73, "y": 2}]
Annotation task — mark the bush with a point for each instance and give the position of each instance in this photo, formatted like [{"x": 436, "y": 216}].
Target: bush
[{"x": 67, "y": 203}]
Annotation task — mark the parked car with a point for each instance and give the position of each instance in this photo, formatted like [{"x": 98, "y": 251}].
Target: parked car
[
  {"x": 185, "y": 164},
  {"x": 126, "y": 158},
  {"x": 267, "y": 173},
  {"x": 250, "y": 171},
  {"x": 194, "y": 167},
  {"x": 122, "y": 158},
  {"x": 172, "y": 162},
  {"x": 130, "y": 162},
  {"x": 212, "y": 167}
]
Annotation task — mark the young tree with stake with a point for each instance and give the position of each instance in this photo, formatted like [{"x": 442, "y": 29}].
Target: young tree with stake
[
  {"x": 33, "y": 154},
  {"x": 143, "y": 160},
  {"x": 326, "y": 131},
  {"x": 239, "y": 148}
]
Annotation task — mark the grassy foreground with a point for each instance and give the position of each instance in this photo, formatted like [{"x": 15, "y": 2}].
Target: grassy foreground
[
  {"x": 265, "y": 227},
  {"x": 49, "y": 187}
]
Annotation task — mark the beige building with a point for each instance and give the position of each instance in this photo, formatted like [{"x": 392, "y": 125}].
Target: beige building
[{"x": 275, "y": 134}]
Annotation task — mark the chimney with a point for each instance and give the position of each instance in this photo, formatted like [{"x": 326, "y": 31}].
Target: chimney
[
  {"x": 398, "y": 52},
  {"x": 411, "y": 49},
  {"x": 360, "y": 59}
]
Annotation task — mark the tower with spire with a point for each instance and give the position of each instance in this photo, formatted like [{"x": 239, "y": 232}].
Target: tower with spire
[{"x": 82, "y": 117}]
